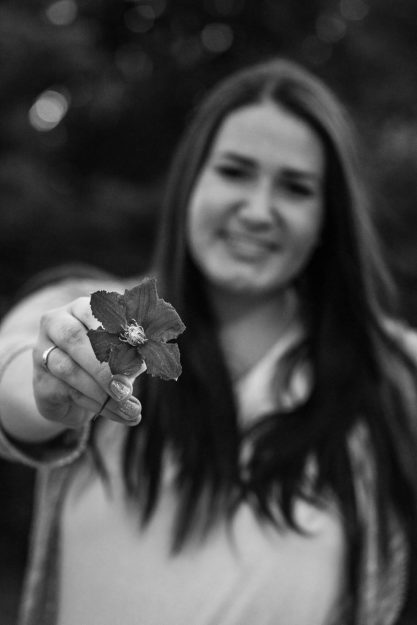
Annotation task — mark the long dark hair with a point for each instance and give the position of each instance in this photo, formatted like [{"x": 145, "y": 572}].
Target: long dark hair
[{"x": 349, "y": 297}]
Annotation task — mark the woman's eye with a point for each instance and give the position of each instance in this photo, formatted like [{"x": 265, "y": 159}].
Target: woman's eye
[
  {"x": 298, "y": 189},
  {"x": 230, "y": 171}
]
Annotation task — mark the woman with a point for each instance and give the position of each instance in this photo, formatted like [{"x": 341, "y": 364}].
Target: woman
[{"x": 275, "y": 480}]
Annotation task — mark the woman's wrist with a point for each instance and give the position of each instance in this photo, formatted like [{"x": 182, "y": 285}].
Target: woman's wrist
[{"x": 19, "y": 416}]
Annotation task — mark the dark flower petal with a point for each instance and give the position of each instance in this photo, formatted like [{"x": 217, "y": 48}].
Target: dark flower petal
[
  {"x": 102, "y": 343},
  {"x": 110, "y": 309},
  {"x": 165, "y": 324},
  {"x": 162, "y": 359},
  {"x": 141, "y": 301},
  {"x": 139, "y": 306},
  {"x": 125, "y": 359}
]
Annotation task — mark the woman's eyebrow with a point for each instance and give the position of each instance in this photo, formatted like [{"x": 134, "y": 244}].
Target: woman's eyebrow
[
  {"x": 235, "y": 156},
  {"x": 294, "y": 173}
]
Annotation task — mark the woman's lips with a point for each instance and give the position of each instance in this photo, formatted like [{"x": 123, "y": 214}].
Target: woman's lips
[{"x": 248, "y": 244}]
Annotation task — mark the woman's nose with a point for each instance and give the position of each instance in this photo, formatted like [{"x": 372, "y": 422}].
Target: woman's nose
[{"x": 260, "y": 203}]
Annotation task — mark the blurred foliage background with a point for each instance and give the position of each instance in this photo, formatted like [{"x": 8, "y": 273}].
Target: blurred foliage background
[{"x": 94, "y": 95}]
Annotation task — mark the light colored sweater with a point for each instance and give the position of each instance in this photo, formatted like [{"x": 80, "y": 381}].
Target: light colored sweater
[{"x": 243, "y": 573}]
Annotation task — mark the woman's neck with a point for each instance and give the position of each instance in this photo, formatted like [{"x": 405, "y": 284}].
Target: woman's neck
[{"x": 249, "y": 327}]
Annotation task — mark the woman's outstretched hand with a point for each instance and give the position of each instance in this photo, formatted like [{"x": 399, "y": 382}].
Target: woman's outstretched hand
[{"x": 74, "y": 385}]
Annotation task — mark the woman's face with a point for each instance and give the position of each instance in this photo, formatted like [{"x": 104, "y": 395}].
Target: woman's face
[{"x": 256, "y": 210}]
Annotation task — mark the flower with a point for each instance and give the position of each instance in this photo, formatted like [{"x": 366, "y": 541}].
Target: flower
[{"x": 136, "y": 328}]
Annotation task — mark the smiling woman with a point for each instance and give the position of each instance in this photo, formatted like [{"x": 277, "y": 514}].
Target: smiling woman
[{"x": 274, "y": 481}]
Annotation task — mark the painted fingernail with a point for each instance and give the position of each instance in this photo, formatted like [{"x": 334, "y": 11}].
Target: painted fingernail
[
  {"x": 131, "y": 408},
  {"x": 119, "y": 390}
]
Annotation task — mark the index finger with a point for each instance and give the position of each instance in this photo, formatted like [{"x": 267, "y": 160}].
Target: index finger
[
  {"x": 121, "y": 386},
  {"x": 67, "y": 328}
]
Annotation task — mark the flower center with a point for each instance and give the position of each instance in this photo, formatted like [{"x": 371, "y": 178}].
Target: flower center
[{"x": 133, "y": 334}]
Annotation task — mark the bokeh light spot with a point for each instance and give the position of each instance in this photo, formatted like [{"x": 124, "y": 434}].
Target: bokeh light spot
[
  {"x": 217, "y": 37},
  {"x": 62, "y": 12},
  {"x": 48, "y": 110}
]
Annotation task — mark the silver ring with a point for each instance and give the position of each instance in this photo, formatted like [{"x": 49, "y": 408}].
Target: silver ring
[{"x": 45, "y": 356}]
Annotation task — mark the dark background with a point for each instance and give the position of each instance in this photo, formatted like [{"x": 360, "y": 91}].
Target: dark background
[{"x": 94, "y": 95}]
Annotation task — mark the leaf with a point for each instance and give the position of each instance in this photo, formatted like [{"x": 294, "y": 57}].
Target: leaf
[
  {"x": 110, "y": 309},
  {"x": 125, "y": 359},
  {"x": 162, "y": 359},
  {"x": 141, "y": 301},
  {"x": 102, "y": 343}
]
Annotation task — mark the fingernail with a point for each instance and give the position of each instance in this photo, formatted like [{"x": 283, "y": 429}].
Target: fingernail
[
  {"x": 131, "y": 408},
  {"x": 119, "y": 390}
]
